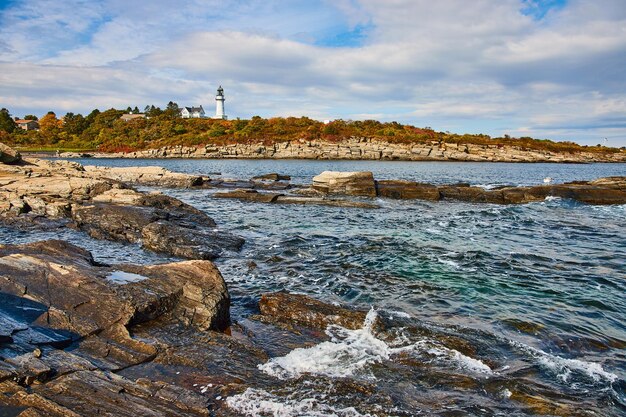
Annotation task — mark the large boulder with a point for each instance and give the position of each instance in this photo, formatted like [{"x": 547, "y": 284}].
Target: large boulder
[
  {"x": 347, "y": 183},
  {"x": 9, "y": 155}
]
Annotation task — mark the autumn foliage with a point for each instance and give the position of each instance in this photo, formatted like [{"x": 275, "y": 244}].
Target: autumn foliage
[{"x": 105, "y": 131}]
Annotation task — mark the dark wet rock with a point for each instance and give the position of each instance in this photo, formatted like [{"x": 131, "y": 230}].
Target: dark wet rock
[
  {"x": 322, "y": 201},
  {"x": 9, "y": 155},
  {"x": 539, "y": 405},
  {"x": 346, "y": 183},
  {"x": 470, "y": 194},
  {"x": 307, "y": 311},
  {"x": 406, "y": 190},
  {"x": 524, "y": 326},
  {"x": 159, "y": 222},
  {"x": 249, "y": 195},
  {"x": 191, "y": 243},
  {"x": 28, "y": 369},
  {"x": 115, "y": 222},
  {"x": 272, "y": 177},
  {"x": 255, "y": 196}
]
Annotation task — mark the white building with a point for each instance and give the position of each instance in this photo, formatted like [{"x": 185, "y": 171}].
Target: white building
[
  {"x": 192, "y": 113},
  {"x": 219, "y": 105}
]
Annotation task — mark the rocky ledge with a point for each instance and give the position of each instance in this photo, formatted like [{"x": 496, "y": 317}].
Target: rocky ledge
[
  {"x": 337, "y": 188},
  {"x": 362, "y": 148},
  {"x": 100, "y": 202}
]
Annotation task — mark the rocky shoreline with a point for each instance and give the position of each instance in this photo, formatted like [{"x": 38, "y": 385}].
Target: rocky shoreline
[
  {"x": 357, "y": 148},
  {"x": 78, "y": 337}
]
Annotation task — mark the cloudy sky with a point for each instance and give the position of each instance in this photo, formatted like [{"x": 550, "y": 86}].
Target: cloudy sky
[{"x": 543, "y": 68}]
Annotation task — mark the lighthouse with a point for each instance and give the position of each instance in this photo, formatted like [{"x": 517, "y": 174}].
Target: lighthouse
[{"x": 219, "y": 104}]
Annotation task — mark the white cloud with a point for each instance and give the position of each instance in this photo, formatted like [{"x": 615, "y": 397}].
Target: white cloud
[{"x": 450, "y": 64}]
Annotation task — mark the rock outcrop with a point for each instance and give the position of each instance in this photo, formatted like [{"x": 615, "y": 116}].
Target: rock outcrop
[
  {"x": 160, "y": 223},
  {"x": 85, "y": 298},
  {"x": 308, "y": 312},
  {"x": 363, "y": 148},
  {"x": 151, "y": 175},
  {"x": 66, "y": 320},
  {"x": 78, "y": 339},
  {"x": 9, "y": 155},
  {"x": 99, "y": 202},
  {"x": 347, "y": 183},
  {"x": 251, "y": 195},
  {"x": 602, "y": 191},
  {"x": 407, "y": 190},
  {"x": 271, "y": 177}
]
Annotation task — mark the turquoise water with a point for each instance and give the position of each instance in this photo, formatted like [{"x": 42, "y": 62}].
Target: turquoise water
[{"x": 539, "y": 289}]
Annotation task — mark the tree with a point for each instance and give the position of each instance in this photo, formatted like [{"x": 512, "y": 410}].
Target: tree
[
  {"x": 171, "y": 111},
  {"x": 152, "y": 111},
  {"x": 91, "y": 117},
  {"x": 7, "y": 124},
  {"x": 74, "y": 124},
  {"x": 49, "y": 126},
  {"x": 136, "y": 110},
  {"x": 31, "y": 117}
]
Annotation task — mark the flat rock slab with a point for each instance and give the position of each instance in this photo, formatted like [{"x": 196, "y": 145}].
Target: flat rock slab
[
  {"x": 271, "y": 177},
  {"x": 151, "y": 175},
  {"x": 405, "y": 190},
  {"x": 248, "y": 195},
  {"x": 275, "y": 198}
]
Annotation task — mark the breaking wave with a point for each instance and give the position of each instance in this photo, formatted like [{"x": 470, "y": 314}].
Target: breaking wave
[{"x": 350, "y": 352}]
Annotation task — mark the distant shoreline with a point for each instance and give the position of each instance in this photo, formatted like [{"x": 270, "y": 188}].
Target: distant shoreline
[{"x": 356, "y": 149}]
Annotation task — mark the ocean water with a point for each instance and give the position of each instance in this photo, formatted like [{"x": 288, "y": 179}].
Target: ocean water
[{"x": 538, "y": 291}]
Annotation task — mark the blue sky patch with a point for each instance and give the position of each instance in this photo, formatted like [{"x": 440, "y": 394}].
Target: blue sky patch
[
  {"x": 539, "y": 8},
  {"x": 351, "y": 38}
]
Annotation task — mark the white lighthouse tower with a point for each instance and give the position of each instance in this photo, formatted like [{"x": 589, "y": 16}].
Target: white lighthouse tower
[{"x": 219, "y": 104}]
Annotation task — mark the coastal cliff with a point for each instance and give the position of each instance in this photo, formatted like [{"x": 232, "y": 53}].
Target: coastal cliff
[{"x": 361, "y": 148}]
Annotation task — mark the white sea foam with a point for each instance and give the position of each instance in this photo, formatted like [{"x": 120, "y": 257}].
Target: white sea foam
[
  {"x": 350, "y": 352},
  {"x": 552, "y": 198},
  {"x": 452, "y": 356},
  {"x": 449, "y": 262},
  {"x": 260, "y": 403},
  {"x": 395, "y": 313},
  {"x": 563, "y": 367}
]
